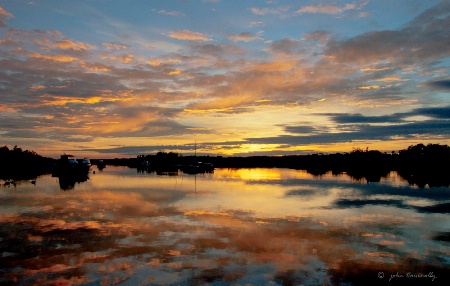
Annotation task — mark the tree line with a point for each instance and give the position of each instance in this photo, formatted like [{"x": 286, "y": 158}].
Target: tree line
[
  {"x": 419, "y": 164},
  {"x": 21, "y": 164}
]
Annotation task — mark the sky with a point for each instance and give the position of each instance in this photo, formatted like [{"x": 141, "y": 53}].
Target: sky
[{"x": 109, "y": 79}]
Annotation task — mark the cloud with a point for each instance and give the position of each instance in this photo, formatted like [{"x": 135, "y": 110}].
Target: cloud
[
  {"x": 345, "y": 118},
  {"x": 397, "y": 124},
  {"x": 300, "y": 129},
  {"x": 81, "y": 85},
  {"x": 363, "y": 132},
  {"x": 440, "y": 84},
  {"x": 330, "y": 9},
  {"x": 187, "y": 35},
  {"x": 245, "y": 37},
  {"x": 434, "y": 112},
  {"x": 286, "y": 46},
  {"x": 54, "y": 41},
  {"x": 280, "y": 11},
  {"x": 318, "y": 36},
  {"x": 77, "y": 46},
  {"x": 56, "y": 58},
  {"x": 363, "y": 128},
  {"x": 421, "y": 39},
  {"x": 170, "y": 13},
  {"x": 115, "y": 46},
  {"x": 217, "y": 51},
  {"x": 133, "y": 150},
  {"x": 4, "y": 16},
  {"x": 325, "y": 9}
]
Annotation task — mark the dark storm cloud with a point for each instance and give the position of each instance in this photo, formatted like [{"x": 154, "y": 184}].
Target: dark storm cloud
[
  {"x": 434, "y": 112},
  {"x": 361, "y": 129},
  {"x": 300, "y": 129},
  {"x": 440, "y": 84},
  {"x": 344, "y": 118},
  {"x": 363, "y": 132}
]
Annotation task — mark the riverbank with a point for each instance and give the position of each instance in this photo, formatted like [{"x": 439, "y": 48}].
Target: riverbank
[{"x": 421, "y": 165}]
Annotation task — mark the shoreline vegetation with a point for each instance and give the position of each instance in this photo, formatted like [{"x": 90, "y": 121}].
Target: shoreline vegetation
[{"x": 421, "y": 165}]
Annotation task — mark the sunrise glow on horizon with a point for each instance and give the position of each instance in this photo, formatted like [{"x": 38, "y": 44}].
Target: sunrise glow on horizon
[{"x": 118, "y": 79}]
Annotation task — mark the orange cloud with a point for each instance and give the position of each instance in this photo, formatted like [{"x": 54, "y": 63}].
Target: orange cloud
[
  {"x": 154, "y": 62},
  {"x": 5, "y": 108},
  {"x": 113, "y": 46},
  {"x": 175, "y": 72},
  {"x": 187, "y": 35},
  {"x": 77, "y": 46},
  {"x": 275, "y": 66},
  {"x": 327, "y": 9},
  {"x": 369, "y": 69},
  {"x": 4, "y": 15},
  {"x": 55, "y": 58},
  {"x": 94, "y": 68},
  {"x": 37, "y": 87},
  {"x": 369, "y": 87},
  {"x": 65, "y": 100},
  {"x": 46, "y": 44},
  {"x": 387, "y": 79}
]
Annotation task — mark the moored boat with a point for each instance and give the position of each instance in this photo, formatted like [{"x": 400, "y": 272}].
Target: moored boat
[
  {"x": 68, "y": 164},
  {"x": 101, "y": 164},
  {"x": 197, "y": 168},
  {"x": 85, "y": 164}
]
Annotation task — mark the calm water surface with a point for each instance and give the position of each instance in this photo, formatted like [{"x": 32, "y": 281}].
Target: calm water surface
[{"x": 232, "y": 227}]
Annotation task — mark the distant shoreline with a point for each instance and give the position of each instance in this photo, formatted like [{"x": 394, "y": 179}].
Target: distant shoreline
[{"x": 419, "y": 164}]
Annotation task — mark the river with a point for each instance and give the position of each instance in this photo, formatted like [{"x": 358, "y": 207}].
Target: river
[{"x": 230, "y": 227}]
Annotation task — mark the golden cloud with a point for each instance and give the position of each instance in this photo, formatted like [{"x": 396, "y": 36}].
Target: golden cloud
[
  {"x": 369, "y": 87},
  {"x": 387, "y": 79},
  {"x": 187, "y": 35},
  {"x": 279, "y": 66},
  {"x": 154, "y": 62},
  {"x": 369, "y": 69},
  {"x": 175, "y": 72},
  {"x": 117, "y": 47},
  {"x": 37, "y": 87},
  {"x": 77, "y": 46},
  {"x": 55, "y": 58},
  {"x": 65, "y": 100},
  {"x": 94, "y": 68}
]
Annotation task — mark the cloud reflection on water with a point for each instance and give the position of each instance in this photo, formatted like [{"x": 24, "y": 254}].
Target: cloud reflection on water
[{"x": 152, "y": 230}]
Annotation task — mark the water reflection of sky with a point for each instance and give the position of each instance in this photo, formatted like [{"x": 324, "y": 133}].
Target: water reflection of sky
[{"x": 236, "y": 226}]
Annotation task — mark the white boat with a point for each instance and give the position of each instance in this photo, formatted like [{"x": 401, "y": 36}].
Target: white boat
[{"x": 85, "y": 163}]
